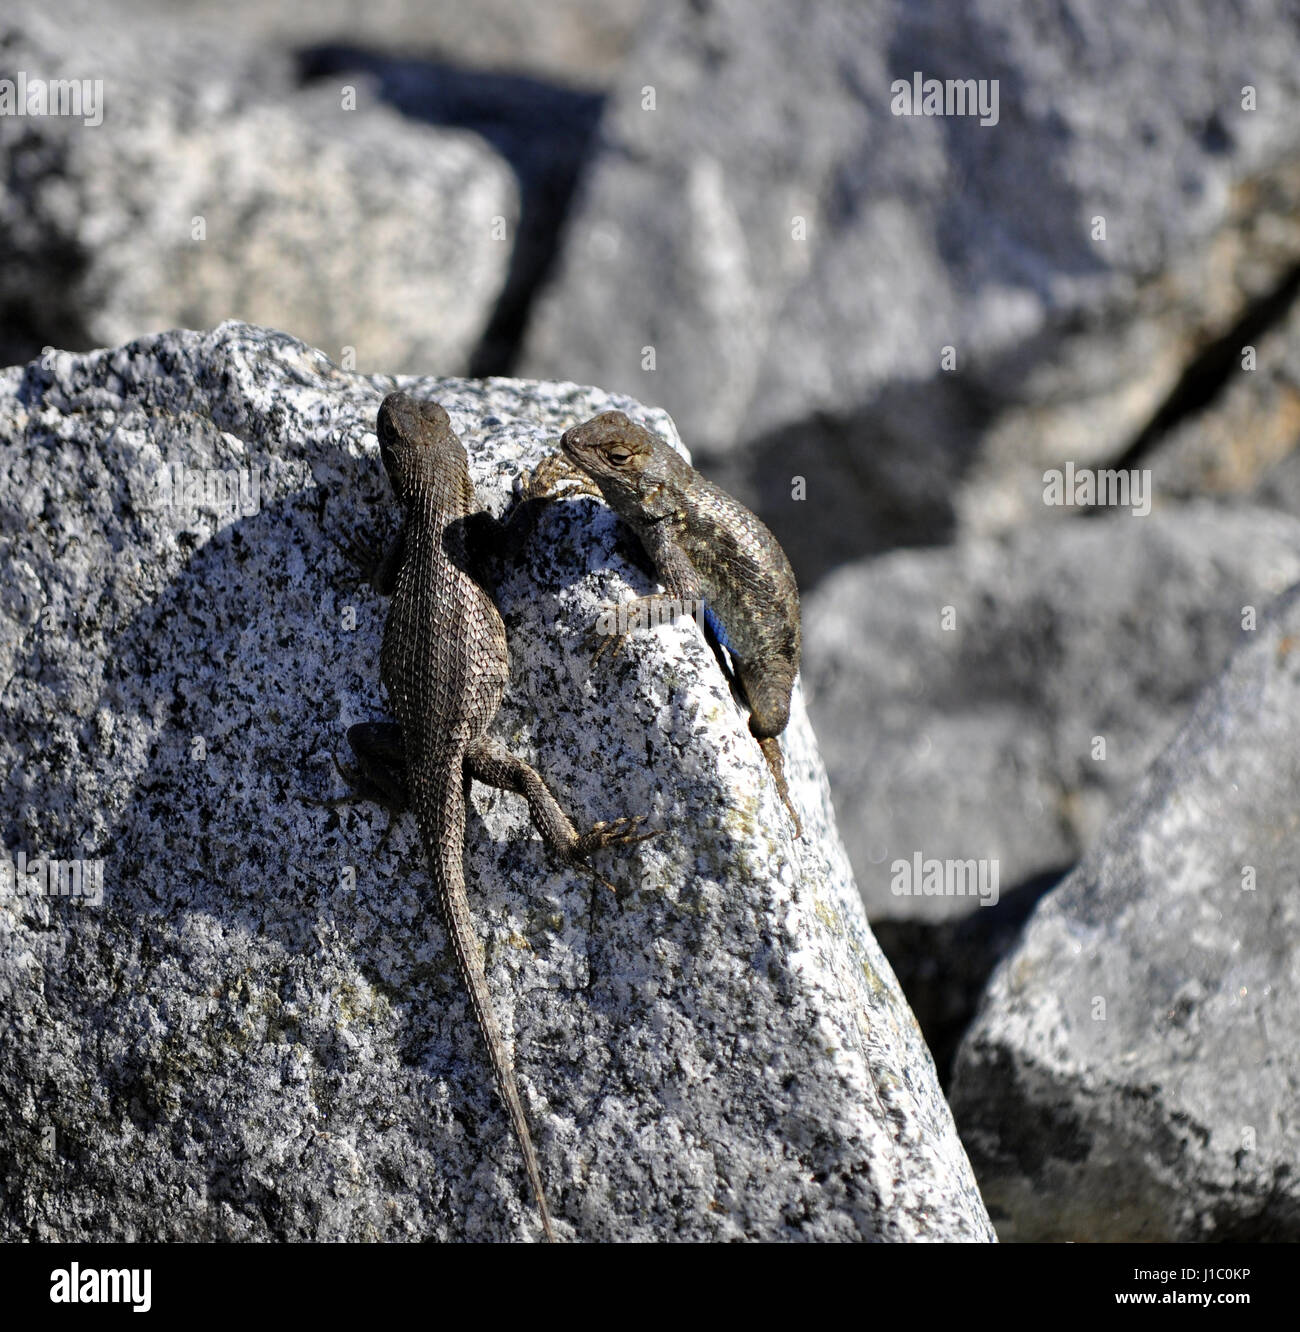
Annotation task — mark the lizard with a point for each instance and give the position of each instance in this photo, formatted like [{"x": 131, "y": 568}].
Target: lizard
[
  {"x": 444, "y": 663},
  {"x": 706, "y": 547}
]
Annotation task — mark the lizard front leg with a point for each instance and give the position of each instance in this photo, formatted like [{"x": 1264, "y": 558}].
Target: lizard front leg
[
  {"x": 380, "y": 774},
  {"x": 684, "y": 594},
  {"x": 380, "y": 571},
  {"x": 555, "y": 476},
  {"x": 491, "y": 543}
]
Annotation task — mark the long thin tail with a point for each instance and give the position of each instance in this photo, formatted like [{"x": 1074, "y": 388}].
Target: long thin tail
[{"x": 441, "y": 818}]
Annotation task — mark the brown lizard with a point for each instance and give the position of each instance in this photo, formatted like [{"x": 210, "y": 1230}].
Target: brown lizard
[
  {"x": 445, "y": 665},
  {"x": 706, "y": 548}
]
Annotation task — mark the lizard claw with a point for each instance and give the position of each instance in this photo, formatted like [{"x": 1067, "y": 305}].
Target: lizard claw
[
  {"x": 600, "y": 878},
  {"x": 606, "y": 833},
  {"x": 612, "y": 832},
  {"x": 598, "y": 643},
  {"x": 546, "y": 480}
]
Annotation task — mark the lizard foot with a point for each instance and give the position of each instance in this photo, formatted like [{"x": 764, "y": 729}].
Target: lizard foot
[
  {"x": 553, "y": 476},
  {"x": 599, "y": 641},
  {"x": 607, "y": 833},
  {"x": 612, "y": 832}
]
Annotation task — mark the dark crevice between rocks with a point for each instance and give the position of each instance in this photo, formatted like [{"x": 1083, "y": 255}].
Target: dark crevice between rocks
[
  {"x": 876, "y": 479},
  {"x": 885, "y": 475},
  {"x": 944, "y": 966},
  {"x": 26, "y": 328},
  {"x": 544, "y": 132},
  {"x": 1209, "y": 372},
  {"x": 888, "y": 475},
  {"x": 1276, "y": 1219},
  {"x": 41, "y": 269}
]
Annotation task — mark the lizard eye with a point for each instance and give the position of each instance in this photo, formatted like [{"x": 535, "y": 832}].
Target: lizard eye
[{"x": 618, "y": 456}]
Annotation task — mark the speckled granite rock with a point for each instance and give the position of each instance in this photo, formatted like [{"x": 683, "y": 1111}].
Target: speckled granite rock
[
  {"x": 256, "y": 1034},
  {"x": 1132, "y": 1073},
  {"x": 800, "y": 257},
  {"x": 351, "y": 227}
]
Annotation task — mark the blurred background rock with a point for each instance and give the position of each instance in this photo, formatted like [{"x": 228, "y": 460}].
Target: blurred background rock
[{"x": 709, "y": 205}]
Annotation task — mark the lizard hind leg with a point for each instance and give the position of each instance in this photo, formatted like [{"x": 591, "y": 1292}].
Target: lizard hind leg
[
  {"x": 491, "y": 763},
  {"x": 380, "y": 774},
  {"x": 381, "y": 761}
]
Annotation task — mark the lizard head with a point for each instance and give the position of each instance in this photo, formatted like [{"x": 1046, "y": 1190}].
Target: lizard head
[
  {"x": 614, "y": 451},
  {"x": 417, "y": 443}
]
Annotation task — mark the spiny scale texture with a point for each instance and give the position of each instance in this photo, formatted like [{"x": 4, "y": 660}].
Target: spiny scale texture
[{"x": 444, "y": 663}]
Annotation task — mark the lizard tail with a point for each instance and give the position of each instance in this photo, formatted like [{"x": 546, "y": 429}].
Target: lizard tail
[{"x": 443, "y": 835}]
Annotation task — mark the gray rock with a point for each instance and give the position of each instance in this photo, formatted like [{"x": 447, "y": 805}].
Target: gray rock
[
  {"x": 1279, "y": 486},
  {"x": 256, "y": 1034},
  {"x": 354, "y": 228},
  {"x": 577, "y": 42},
  {"x": 1132, "y": 1073},
  {"x": 544, "y": 131},
  {"x": 978, "y": 741},
  {"x": 821, "y": 357}
]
